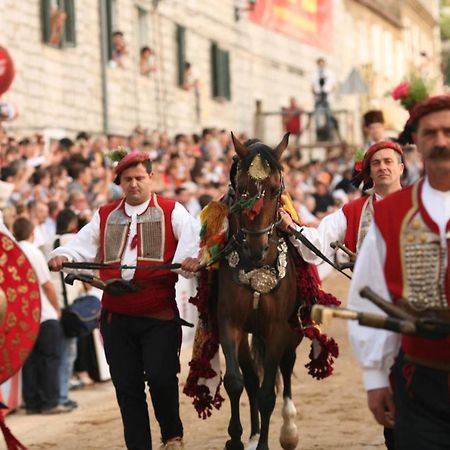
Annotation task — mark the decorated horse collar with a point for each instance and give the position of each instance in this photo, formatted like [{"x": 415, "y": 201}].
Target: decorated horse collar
[{"x": 261, "y": 280}]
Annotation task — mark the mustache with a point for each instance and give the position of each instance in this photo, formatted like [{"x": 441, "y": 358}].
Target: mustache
[{"x": 439, "y": 152}]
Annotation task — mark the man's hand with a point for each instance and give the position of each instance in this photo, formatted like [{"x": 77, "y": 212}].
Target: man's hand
[
  {"x": 286, "y": 221},
  {"x": 382, "y": 406},
  {"x": 55, "y": 263},
  {"x": 190, "y": 265}
]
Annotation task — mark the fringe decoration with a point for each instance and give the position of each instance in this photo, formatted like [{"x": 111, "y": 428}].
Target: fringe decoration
[
  {"x": 12, "y": 443},
  {"x": 206, "y": 346},
  {"x": 323, "y": 348}
]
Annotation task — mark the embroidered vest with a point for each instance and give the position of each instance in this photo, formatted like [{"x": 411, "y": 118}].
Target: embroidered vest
[
  {"x": 359, "y": 215},
  {"x": 156, "y": 244},
  {"x": 415, "y": 264}
]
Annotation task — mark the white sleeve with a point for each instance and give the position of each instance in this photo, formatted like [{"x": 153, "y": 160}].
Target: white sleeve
[
  {"x": 84, "y": 245},
  {"x": 374, "y": 349},
  {"x": 186, "y": 229},
  {"x": 40, "y": 266},
  {"x": 332, "y": 228}
]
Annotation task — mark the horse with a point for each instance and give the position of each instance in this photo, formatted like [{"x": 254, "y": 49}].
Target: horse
[{"x": 258, "y": 295}]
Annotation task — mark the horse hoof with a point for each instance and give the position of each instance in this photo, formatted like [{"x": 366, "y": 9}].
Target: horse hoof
[
  {"x": 253, "y": 442},
  {"x": 233, "y": 445}
]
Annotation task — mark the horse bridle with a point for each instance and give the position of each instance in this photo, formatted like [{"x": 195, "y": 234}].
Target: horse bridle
[{"x": 275, "y": 222}]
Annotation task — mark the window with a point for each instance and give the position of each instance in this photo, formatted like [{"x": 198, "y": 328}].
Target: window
[
  {"x": 58, "y": 23},
  {"x": 220, "y": 72},
  {"x": 181, "y": 53}
]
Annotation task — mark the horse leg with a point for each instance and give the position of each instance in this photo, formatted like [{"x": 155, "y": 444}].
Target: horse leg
[
  {"x": 251, "y": 384},
  {"x": 266, "y": 395},
  {"x": 234, "y": 384},
  {"x": 289, "y": 430}
]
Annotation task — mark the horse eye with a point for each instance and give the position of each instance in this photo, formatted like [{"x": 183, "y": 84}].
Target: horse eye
[{"x": 276, "y": 191}]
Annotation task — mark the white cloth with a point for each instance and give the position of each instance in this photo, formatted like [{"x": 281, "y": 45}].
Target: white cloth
[
  {"x": 37, "y": 261},
  {"x": 329, "y": 81},
  {"x": 84, "y": 246},
  {"x": 72, "y": 291},
  {"x": 376, "y": 349},
  {"x": 332, "y": 228}
]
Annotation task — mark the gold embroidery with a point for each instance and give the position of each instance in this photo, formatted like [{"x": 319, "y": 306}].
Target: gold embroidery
[
  {"x": 7, "y": 243},
  {"x": 11, "y": 294},
  {"x": 31, "y": 276},
  {"x": 14, "y": 273}
]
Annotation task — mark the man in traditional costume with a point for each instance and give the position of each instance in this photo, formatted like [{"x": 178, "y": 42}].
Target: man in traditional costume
[
  {"x": 382, "y": 165},
  {"x": 405, "y": 259},
  {"x": 140, "y": 327}
]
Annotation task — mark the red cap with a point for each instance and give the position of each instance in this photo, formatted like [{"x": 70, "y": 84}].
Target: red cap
[
  {"x": 129, "y": 159},
  {"x": 428, "y": 106},
  {"x": 364, "y": 175}
]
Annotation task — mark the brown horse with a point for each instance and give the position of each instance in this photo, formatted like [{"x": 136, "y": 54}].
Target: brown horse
[{"x": 258, "y": 295}]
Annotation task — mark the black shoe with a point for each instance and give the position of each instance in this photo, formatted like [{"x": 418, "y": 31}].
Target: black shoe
[
  {"x": 58, "y": 409},
  {"x": 33, "y": 411},
  {"x": 70, "y": 404}
]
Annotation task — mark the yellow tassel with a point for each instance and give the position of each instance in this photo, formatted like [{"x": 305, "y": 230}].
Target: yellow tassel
[{"x": 288, "y": 206}]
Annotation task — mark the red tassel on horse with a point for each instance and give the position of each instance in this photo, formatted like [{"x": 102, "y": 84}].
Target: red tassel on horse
[{"x": 252, "y": 212}]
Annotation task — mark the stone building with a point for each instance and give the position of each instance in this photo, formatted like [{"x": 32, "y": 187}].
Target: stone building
[{"x": 241, "y": 61}]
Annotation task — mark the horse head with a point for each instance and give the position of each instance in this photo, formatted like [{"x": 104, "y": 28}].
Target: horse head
[{"x": 259, "y": 185}]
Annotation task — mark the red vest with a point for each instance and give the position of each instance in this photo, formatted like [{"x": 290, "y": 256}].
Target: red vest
[
  {"x": 156, "y": 244},
  {"x": 407, "y": 228},
  {"x": 353, "y": 212}
]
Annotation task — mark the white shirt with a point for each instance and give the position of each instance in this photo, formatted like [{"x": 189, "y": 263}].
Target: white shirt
[
  {"x": 332, "y": 228},
  {"x": 86, "y": 243},
  {"x": 375, "y": 349},
  {"x": 37, "y": 261}
]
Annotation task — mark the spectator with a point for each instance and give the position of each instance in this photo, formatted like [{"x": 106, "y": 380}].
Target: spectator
[
  {"x": 40, "y": 384},
  {"x": 66, "y": 227},
  {"x": 119, "y": 48},
  {"x": 146, "y": 63}
]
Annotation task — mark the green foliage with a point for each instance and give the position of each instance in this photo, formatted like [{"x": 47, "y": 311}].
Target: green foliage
[
  {"x": 117, "y": 154},
  {"x": 418, "y": 91}
]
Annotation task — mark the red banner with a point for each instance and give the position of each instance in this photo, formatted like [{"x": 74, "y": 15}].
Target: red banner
[
  {"x": 6, "y": 70},
  {"x": 309, "y": 21}
]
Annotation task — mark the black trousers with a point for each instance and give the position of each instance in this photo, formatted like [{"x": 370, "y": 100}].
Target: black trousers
[
  {"x": 40, "y": 382},
  {"x": 140, "y": 349},
  {"x": 422, "y": 407}
]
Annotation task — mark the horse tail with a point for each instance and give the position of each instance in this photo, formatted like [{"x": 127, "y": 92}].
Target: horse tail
[{"x": 258, "y": 350}]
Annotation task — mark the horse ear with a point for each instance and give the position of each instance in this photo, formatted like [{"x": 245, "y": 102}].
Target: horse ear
[
  {"x": 241, "y": 150},
  {"x": 281, "y": 147}
]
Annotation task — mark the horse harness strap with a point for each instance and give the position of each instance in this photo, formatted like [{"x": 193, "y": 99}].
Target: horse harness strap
[{"x": 262, "y": 280}]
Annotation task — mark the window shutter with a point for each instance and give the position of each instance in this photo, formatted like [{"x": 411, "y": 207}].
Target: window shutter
[
  {"x": 45, "y": 20},
  {"x": 215, "y": 70},
  {"x": 69, "y": 39},
  {"x": 226, "y": 75},
  {"x": 181, "y": 52}
]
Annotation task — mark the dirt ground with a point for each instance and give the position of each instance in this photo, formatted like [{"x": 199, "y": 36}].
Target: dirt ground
[{"x": 332, "y": 413}]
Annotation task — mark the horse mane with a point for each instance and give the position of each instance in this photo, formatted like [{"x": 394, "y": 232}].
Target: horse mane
[{"x": 257, "y": 147}]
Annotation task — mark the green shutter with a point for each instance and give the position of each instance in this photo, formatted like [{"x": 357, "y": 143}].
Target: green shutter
[
  {"x": 69, "y": 39},
  {"x": 109, "y": 30},
  {"x": 215, "y": 70},
  {"x": 45, "y": 20},
  {"x": 181, "y": 53},
  {"x": 226, "y": 75}
]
